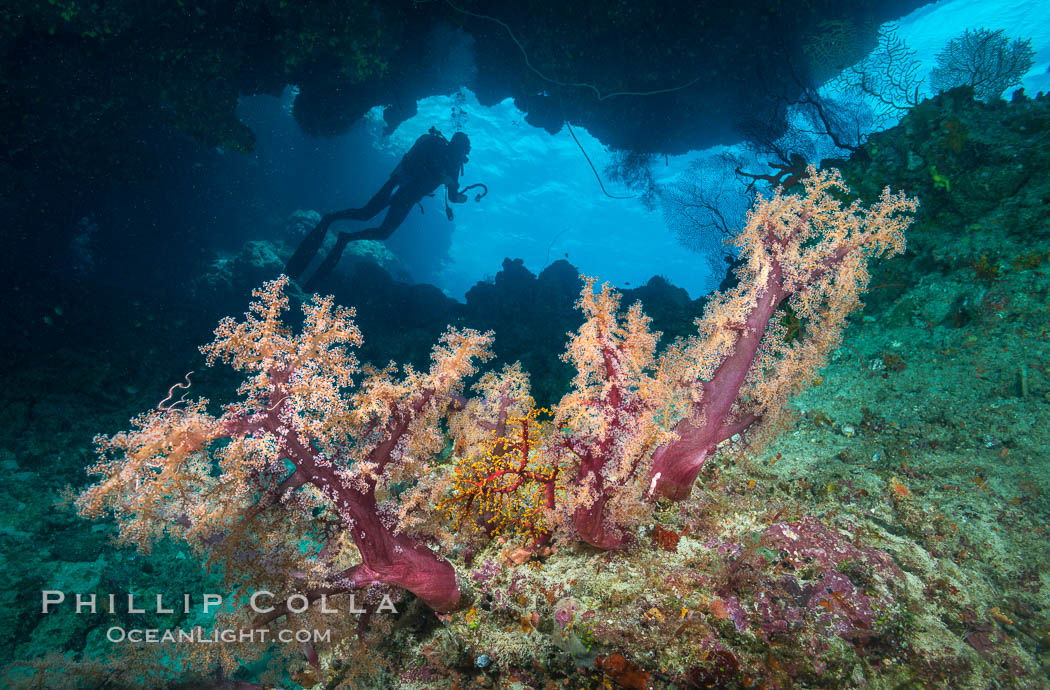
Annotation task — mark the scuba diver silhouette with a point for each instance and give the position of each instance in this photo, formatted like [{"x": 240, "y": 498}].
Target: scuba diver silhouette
[{"x": 431, "y": 162}]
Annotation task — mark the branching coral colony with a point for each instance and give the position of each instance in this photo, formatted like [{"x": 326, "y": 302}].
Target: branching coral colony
[{"x": 329, "y": 477}]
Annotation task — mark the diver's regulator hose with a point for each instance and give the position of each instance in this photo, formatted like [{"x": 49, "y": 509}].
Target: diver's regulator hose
[{"x": 477, "y": 197}]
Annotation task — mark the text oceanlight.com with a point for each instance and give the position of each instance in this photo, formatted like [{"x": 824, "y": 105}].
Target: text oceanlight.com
[{"x": 117, "y": 634}]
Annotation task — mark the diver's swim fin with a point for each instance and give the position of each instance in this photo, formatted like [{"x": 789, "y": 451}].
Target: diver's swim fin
[
  {"x": 307, "y": 250},
  {"x": 329, "y": 262}
]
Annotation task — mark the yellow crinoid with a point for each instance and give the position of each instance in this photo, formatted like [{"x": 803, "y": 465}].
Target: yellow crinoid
[{"x": 503, "y": 485}]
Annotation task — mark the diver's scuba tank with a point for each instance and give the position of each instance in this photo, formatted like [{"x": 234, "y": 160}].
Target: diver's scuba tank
[{"x": 417, "y": 150}]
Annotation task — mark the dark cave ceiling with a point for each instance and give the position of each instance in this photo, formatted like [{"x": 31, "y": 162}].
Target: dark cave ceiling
[{"x": 88, "y": 87}]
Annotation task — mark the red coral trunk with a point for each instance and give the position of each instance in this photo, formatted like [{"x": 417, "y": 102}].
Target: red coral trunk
[
  {"x": 386, "y": 557},
  {"x": 591, "y": 524},
  {"x": 677, "y": 464}
]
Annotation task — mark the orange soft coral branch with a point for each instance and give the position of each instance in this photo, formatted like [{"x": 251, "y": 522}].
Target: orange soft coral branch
[
  {"x": 810, "y": 250},
  {"x": 302, "y": 458},
  {"x": 609, "y": 419}
]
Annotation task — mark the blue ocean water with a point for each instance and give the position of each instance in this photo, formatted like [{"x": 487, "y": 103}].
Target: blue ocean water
[{"x": 545, "y": 203}]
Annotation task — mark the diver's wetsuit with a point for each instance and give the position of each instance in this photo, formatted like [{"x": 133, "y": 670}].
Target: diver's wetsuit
[{"x": 428, "y": 164}]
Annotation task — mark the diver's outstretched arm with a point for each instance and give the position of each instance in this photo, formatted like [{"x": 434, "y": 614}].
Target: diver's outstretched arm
[{"x": 454, "y": 195}]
